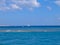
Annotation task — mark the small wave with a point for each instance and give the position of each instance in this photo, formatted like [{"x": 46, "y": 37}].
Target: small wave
[{"x": 29, "y": 30}]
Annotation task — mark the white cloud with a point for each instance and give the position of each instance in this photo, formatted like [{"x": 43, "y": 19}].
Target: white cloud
[
  {"x": 58, "y": 18},
  {"x": 49, "y": 8},
  {"x": 14, "y": 6},
  {"x": 18, "y": 4},
  {"x": 57, "y": 2},
  {"x": 32, "y": 3},
  {"x": 4, "y": 8}
]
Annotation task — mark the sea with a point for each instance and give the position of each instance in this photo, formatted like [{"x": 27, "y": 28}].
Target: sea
[{"x": 29, "y": 35}]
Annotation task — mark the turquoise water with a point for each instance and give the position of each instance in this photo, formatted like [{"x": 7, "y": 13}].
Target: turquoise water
[{"x": 30, "y": 38}]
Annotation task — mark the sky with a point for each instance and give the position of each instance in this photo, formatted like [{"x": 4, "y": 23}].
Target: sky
[{"x": 29, "y": 12}]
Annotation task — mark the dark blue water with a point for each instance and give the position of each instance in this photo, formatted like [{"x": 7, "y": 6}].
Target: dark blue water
[
  {"x": 29, "y": 27},
  {"x": 30, "y": 38}
]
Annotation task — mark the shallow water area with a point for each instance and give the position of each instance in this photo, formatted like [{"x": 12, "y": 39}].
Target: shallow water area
[
  {"x": 30, "y": 35},
  {"x": 30, "y": 38}
]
